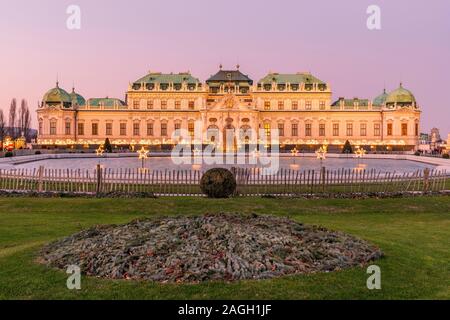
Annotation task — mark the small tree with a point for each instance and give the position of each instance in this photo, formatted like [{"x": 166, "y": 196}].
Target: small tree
[
  {"x": 107, "y": 146},
  {"x": 347, "y": 147}
]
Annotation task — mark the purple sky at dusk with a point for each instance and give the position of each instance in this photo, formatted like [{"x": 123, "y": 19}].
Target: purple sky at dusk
[{"x": 120, "y": 41}]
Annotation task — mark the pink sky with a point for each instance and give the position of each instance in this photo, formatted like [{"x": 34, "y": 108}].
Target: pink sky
[{"x": 120, "y": 41}]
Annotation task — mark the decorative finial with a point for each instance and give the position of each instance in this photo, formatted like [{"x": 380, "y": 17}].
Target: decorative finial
[
  {"x": 220, "y": 66},
  {"x": 401, "y": 84},
  {"x": 238, "y": 66},
  {"x": 57, "y": 80}
]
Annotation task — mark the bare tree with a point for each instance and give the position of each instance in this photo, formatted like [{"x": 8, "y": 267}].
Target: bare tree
[
  {"x": 13, "y": 119},
  {"x": 24, "y": 119},
  {"x": 2, "y": 128}
]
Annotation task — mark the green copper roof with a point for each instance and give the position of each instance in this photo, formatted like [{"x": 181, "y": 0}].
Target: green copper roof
[
  {"x": 351, "y": 102},
  {"x": 381, "y": 99},
  {"x": 293, "y": 78},
  {"x": 106, "y": 102},
  {"x": 400, "y": 95},
  {"x": 77, "y": 98},
  {"x": 57, "y": 95},
  {"x": 168, "y": 78}
]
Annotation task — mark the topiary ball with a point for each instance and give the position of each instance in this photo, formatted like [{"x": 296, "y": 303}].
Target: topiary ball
[{"x": 218, "y": 183}]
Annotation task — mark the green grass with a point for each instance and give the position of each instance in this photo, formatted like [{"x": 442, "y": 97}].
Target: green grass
[{"x": 414, "y": 233}]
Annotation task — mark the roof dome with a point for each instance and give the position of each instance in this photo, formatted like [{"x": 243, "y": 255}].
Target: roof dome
[
  {"x": 401, "y": 95},
  {"x": 381, "y": 99},
  {"x": 77, "y": 99},
  {"x": 56, "y": 95}
]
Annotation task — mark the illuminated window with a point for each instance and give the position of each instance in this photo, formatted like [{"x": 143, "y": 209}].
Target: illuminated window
[
  {"x": 267, "y": 129},
  {"x": 377, "y": 129},
  {"x": 281, "y": 129},
  {"x": 267, "y": 105},
  {"x": 335, "y": 129},
  {"x": 109, "y": 129},
  {"x": 52, "y": 128},
  {"x": 191, "y": 128},
  {"x": 123, "y": 129},
  {"x": 191, "y": 105},
  {"x": 308, "y": 130},
  {"x": 322, "y": 129},
  {"x": 150, "y": 129},
  {"x": 294, "y": 105},
  {"x": 136, "y": 129},
  {"x": 95, "y": 129},
  {"x": 349, "y": 129},
  {"x": 389, "y": 129},
  {"x": 294, "y": 130},
  {"x": 81, "y": 129},
  {"x": 363, "y": 129},
  {"x": 68, "y": 128},
  {"x": 404, "y": 129}
]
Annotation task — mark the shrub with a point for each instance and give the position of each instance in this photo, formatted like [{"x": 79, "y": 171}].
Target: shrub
[
  {"x": 107, "y": 146},
  {"x": 218, "y": 183},
  {"x": 38, "y": 152},
  {"x": 347, "y": 147},
  {"x": 417, "y": 153},
  {"x": 9, "y": 154},
  {"x": 446, "y": 156}
]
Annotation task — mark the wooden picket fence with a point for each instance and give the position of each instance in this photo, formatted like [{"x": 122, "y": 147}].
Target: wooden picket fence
[{"x": 250, "y": 181}]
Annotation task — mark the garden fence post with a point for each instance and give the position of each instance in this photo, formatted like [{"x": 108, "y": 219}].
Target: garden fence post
[
  {"x": 426, "y": 181},
  {"x": 99, "y": 179},
  {"x": 322, "y": 173},
  {"x": 40, "y": 178}
]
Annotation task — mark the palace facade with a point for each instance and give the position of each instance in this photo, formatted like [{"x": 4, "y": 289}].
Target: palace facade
[{"x": 299, "y": 106}]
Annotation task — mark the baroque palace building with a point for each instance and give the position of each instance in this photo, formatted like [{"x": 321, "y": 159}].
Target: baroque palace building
[{"x": 298, "y": 105}]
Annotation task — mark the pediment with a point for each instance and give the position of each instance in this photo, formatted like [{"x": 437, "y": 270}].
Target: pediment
[{"x": 230, "y": 102}]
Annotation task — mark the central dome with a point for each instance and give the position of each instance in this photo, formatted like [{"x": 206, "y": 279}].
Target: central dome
[
  {"x": 57, "y": 95},
  {"x": 401, "y": 95}
]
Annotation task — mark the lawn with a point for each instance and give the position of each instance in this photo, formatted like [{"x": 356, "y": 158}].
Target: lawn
[{"x": 414, "y": 233}]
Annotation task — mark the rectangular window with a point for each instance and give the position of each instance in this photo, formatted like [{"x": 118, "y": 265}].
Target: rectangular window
[
  {"x": 136, "y": 129},
  {"x": 322, "y": 105},
  {"x": 308, "y": 105},
  {"x": 150, "y": 129},
  {"x": 308, "y": 130},
  {"x": 322, "y": 129},
  {"x": 81, "y": 129},
  {"x": 109, "y": 129},
  {"x": 335, "y": 129},
  {"x": 376, "y": 129},
  {"x": 416, "y": 129},
  {"x": 40, "y": 128},
  {"x": 52, "y": 128},
  {"x": 389, "y": 129},
  {"x": 177, "y": 105},
  {"x": 294, "y": 105},
  {"x": 191, "y": 105},
  {"x": 363, "y": 129},
  {"x": 123, "y": 129},
  {"x": 163, "y": 129},
  {"x": 280, "y": 105},
  {"x": 281, "y": 129},
  {"x": 149, "y": 104},
  {"x": 163, "y": 105},
  {"x": 267, "y": 105},
  {"x": 267, "y": 129},
  {"x": 95, "y": 129},
  {"x": 136, "y": 104},
  {"x": 177, "y": 129},
  {"x": 191, "y": 128},
  {"x": 294, "y": 130},
  {"x": 349, "y": 129},
  {"x": 404, "y": 129},
  {"x": 68, "y": 129}
]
